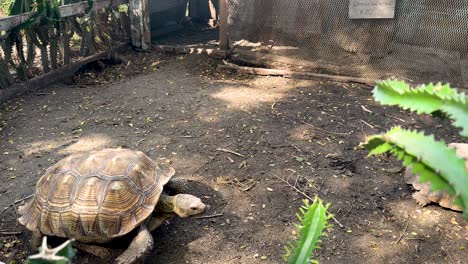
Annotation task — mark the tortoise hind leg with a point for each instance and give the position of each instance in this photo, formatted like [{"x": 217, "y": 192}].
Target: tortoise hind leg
[
  {"x": 140, "y": 246},
  {"x": 94, "y": 250},
  {"x": 421, "y": 199},
  {"x": 36, "y": 239}
]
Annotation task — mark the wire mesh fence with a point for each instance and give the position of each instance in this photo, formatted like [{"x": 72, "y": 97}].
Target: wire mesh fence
[{"x": 426, "y": 41}]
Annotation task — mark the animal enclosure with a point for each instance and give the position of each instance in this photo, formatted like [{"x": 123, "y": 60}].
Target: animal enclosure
[
  {"x": 252, "y": 147},
  {"x": 425, "y": 41}
]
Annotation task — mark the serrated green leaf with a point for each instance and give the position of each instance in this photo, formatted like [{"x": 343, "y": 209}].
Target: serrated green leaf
[
  {"x": 425, "y": 99},
  {"x": 313, "y": 223},
  {"x": 391, "y": 93},
  {"x": 431, "y": 159},
  {"x": 376, "y": 146}
]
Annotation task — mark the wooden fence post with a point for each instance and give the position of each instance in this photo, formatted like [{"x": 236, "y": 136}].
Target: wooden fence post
[
  {"x": 223, "y": 25},
  {"x": 140, "y": 24}
]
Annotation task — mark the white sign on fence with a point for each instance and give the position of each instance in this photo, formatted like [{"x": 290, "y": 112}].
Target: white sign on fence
[{"x": 367, "y": 9}]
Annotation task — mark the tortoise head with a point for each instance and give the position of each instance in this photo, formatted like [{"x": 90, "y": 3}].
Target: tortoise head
[{"x": 186, "y": 205}]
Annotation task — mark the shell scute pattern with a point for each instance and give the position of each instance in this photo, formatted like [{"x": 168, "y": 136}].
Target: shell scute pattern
[
  {"x": 90, "y": 190},
  {"x": 95, "y": 196},
  {"x": 142, "y": 174}
]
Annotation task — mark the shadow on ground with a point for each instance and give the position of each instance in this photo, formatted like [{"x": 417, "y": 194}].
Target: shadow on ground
[{"x": 242, "y": 137}]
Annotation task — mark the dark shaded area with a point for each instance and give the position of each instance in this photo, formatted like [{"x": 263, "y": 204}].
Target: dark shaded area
[{"x": 193, "y": 33}]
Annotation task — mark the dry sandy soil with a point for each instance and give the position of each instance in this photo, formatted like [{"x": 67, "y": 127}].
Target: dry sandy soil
[{"x": 181, "y": 110}]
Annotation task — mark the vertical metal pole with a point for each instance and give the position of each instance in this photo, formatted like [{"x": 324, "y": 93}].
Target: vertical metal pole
[
  {"x": 223, "y": 25},
  {"x": 140, "y": 24},
  {"x": 146, "y": 26}
]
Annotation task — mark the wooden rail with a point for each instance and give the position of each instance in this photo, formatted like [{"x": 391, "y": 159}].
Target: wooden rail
[
  {"x": 45, "y": 80},
  {"x": 18, "y": 57},
  {"x": 7, "y": 23}
]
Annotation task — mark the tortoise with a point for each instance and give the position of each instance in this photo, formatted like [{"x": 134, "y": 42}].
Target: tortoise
[
  {"x": 424, "y": 195},
  {"x": 98, "y": 196}
]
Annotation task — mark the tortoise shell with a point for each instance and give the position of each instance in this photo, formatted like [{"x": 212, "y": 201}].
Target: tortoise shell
[{"x": 95, "y": 196}]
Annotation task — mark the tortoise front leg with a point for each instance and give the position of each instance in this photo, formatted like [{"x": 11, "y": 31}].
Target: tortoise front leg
[
  {"x": 158, "y": 219},
  {"x": 140, "y": 246},
  {"x": 421, "y": 199}
]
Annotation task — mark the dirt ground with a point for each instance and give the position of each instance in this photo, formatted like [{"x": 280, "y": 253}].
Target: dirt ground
[{"x": 181, "y": 111}]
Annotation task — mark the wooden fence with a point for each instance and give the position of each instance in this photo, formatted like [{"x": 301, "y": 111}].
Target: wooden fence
[{"x": 30, "y": 51}]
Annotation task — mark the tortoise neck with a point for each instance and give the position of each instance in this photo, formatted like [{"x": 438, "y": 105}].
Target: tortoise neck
[{"x": 166, "y": 204}]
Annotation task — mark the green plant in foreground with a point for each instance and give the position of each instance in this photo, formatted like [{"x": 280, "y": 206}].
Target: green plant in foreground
[
  {"x": 5, "y": 6},
  {"x": 431, "y": 159},
  {"x": 313, "y": 222},
  {"x": 59, "y": 255}
]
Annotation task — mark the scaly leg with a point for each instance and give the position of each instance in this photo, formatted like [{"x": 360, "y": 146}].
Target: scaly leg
[
  {"x": 97, "y": 251},
  {"x": 158, "y": 219},
  {"x": 140, "y": 246},
  {"x": 36, "y": 239},
  {"x": 421, "y": 199}
]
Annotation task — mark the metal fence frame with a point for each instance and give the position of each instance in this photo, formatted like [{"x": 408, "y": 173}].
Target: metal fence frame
[{"x": 432, "y": 28}]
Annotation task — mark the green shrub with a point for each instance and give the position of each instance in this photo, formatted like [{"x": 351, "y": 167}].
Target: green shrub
[{"x": 431, "y": 159}]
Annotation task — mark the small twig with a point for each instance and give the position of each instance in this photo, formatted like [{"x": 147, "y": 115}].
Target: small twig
[
  {"x": 17, "y": 201},
  {"x": 403, "y": 233},
  {"x": 305, "y": 195},
  {"x": 305, "y": 123},
  {"x": 365, "y": 109},
  {"x": 233, "y": 258},
  {"x": 336, "y": 221},
  {"x": 369, "y": 125},
  {"x": 219, "y": 205},
  {"x": 186, "y": 136},
  {"x": 230, "y": 151},
  {"x": 210, "y": 216},
  {"x": 248, "y": 188},
  {"x": 9, "y": 233},
  {"x": 349, "y": 210},
  {"x": 205, "y": 164},
  {"x": 22, "y": 199},
  {"x": 296, "y": 148},
  {"x": 396, "y": 118},
  {"x": 295, "y": 188}
]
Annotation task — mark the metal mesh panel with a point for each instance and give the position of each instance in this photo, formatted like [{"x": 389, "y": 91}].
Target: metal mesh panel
[{"x": 424, "y": 42}]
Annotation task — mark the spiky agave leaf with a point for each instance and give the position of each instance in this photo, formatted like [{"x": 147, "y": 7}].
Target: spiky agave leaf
[
  {"x": 313, "y": 222},
  {"x": 425, "y": 99},
  {"x": 431, "y": 159}
]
